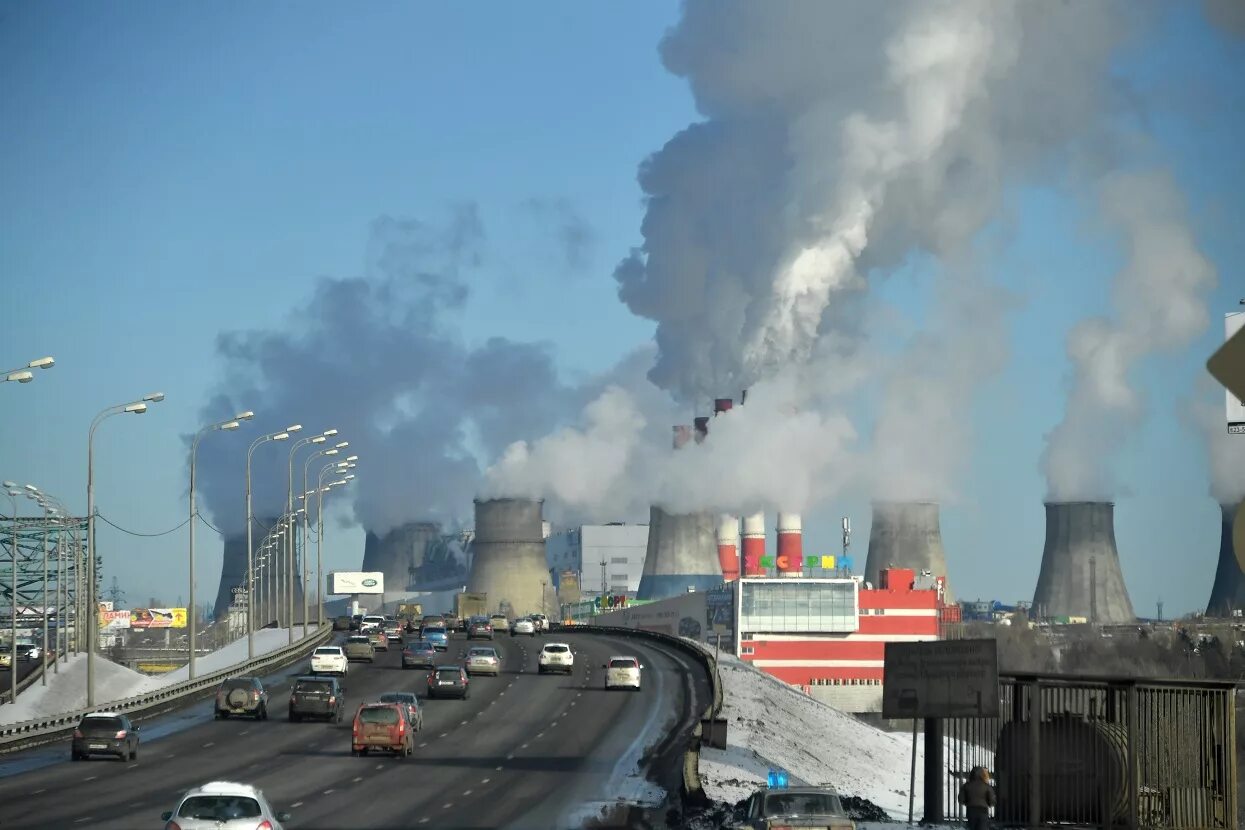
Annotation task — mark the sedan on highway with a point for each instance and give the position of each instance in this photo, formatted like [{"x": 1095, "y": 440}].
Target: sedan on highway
[
  {"x": 317, "y": 697},
  {"x": 28, "y": 652},
  {"x": 479, "y": 628},
  {"x": 419, "y": 654},
  {"x": 378, "y": 639},
  {"x": 329, "y": 660},
  {"x": 393, "y": 631},
  {"x": 623, "y": 672},
  {"x": 483, "y": 660},
  {"x": 555, "y": 657},
  {"x": 359, "y": 647},
  {"x": 409, "y": 700},
  {"x": 105, "y": 733},
  {"x": 224, "y": 805},
  {"x": 448, "y": 681},
  {"x": 523, "y": 625},
  {"x": 437, "y": 635},
  {"x": 796, "y": 807}
]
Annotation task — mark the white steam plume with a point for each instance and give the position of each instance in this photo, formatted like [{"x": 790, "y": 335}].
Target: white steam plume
[
  {"x": 1159, "y": 304},
  {"x": 1225, "y": 454}
]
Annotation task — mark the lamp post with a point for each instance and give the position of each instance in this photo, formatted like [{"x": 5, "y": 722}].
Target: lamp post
[
  {"x": 291, "y": 539},
  {"x": 92, "y": 605},
  {"x": 348, "y": 463},
  {"x": 48, "y": 512},
  {"x": 250, "y": 554},
  {"x": 224, "y": 426},
  {"x": 306, "y": 520},
  {"x": 61, "y": 600},
  {"x": 10, "y": 489},
  {"x": 320, "y": 491},
  {"x": 22, "y": 374}
]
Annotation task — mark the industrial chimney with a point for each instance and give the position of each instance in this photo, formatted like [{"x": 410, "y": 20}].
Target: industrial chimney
[
  {"x": 233, "y": 565},
  {"x": 400, "y": 553},
  {"x": 728, "y": 546},
  {"x": 701, "y": 426},
  {"x": 1228, "y": 593},
  {"x": 1081, "y": 574},
  {"x": 754, "y": 544},
  {"x": 906, "y": 535},
  {"x": 790, "y": 558},
  {"x": 509, "y": 563}
]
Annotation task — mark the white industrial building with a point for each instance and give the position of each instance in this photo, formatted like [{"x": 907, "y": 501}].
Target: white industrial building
[{"x": 615, "y": 549}]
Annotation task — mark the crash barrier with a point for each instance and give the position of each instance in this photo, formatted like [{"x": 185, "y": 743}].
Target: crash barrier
[
  {"x": 42, "y": 730},
  {"x": 1108, "y": 752},
  {"x": 709, "y": 718}
]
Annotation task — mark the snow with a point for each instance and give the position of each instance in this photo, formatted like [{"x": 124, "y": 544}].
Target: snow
[
  {"x": 773, "y": 725},
  {"x": 66, "y": 691}
]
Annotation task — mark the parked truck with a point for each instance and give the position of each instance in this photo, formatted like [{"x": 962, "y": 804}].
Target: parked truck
[{"x": 468, "y": 605}]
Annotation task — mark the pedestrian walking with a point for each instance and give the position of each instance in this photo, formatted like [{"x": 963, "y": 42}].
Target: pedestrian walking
[{"x": 977, "y": 796}]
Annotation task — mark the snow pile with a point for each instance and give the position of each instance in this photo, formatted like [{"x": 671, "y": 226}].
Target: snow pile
[
  {"x": 773, "y": 725},
  {"x": 266, "y": 640}
]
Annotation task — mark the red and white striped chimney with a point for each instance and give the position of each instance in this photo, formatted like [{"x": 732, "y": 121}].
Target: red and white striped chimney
[
  {"x": 790, "y": 558},
  {"x": 728, "y": 546},
  {"x": 754, "y": 544}
]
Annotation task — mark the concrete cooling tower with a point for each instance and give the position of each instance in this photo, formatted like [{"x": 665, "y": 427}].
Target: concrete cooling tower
[
  {"x": 906, "y": 535},
  {"x": 399, "y": 553},
  {"x": 682, "y": 553},
  {"x": 1081, "y": 574},
  {"x": 1228, "y": 593},
  {"x": 233, "y": 565},
  {"x": 509, "y": 561}
]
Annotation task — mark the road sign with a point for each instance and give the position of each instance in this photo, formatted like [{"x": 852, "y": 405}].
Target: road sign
[
  {"x": 1228, "y": 367},
  {"x": 941, "y": 679}
]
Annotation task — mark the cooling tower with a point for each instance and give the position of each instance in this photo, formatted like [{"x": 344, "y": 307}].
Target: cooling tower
[
  {"x": 509, "y": 564},
  {"x": 233, "y": 565},
  {"x": 1228, "y": 593},
  {"x": 754, "y": 544},
  {"x": 728, "y": 546},
  {"x": 906, "y": 535},
  {"x": 682, "y": 553},
  {"x": 790, "y": 558},
  {"x": 399, "y": 553},
  {"x": 1081, "y": 575}
]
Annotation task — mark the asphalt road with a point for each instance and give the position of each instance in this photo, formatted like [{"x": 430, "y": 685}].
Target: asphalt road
[
  {"x": 24, "y": 668},
  {"x": 525, "y": 751}
]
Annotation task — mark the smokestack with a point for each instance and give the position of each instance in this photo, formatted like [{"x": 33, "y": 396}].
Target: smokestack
[
  {"x": 1228, "y": 593},
  {"x": 754, "y": 544},
  {"x": 701, "y": 426},
  {"x": 1081, "y": 574},
  {"x": 721, "y": 405},
  {"x": 743, "y": 397},
  {"x": 399, "y": 553},
  {"x": 682, "y": 434},
  {"x": 509, "y": 562},
  {"x": 728, "y": 546},
  {"x": 790, "y": 559},
  {"x": 906, "y": 535},
  {"x": 681, "y": 554}
]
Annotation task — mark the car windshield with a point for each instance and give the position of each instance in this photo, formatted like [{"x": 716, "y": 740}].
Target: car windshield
[
  {"x": 557, "y": 649},
  {"x": 398, "y": 697},
  {"x": 622, "y": 663},
  {"x": 378, "y": 714},
  {"x": 447, "y": 672},
  {"x": 334, "y": 651},
  {"x": 420, "y": 645},
  {"x": 434, "y": 630},
  {"x": 107, "y": 723},
  {"x": 802, "y": 804},
  {"x": 358, "y": 639},
  {"x": 219, "y": 807},
  {"x": 313, "y": 687},
  {"x": 481, "y": 652}
]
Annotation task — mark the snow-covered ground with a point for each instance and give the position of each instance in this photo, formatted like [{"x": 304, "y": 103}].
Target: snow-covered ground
[
  {"x": 66, "y": 691},
  {"x": 773, "y": 725}
]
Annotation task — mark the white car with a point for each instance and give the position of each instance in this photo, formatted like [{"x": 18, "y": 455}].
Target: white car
[
  {"x": 330, "y": 660},
  {"x": 542, "y": 622},
  {"x": 224, "y": 805},
  {"x": 556, "y": 657},
  {"x": 371, "y": 622},
  {"x": 623, "y": 672},
  {"x": 523, "y": 626}
]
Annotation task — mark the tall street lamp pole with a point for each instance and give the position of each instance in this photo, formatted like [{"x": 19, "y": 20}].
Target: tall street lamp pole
[
  {"x": 307, "y": 519},
  {"x": 61, "y": 598},
  {"x": 48, "y": 512},
  {"x": 91, "y": 606},
  {"x": 250, "y": 553},
  {"x": 22, "y": 374},
  {"x": 13, "y": 493},
  {"x": 338, "y": 467},
  {"x": 290, "y": 537},
  {"x": 193, "y": 618}
]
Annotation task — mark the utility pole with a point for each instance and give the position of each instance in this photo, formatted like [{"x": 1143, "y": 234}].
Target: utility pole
[
  {"x": 1093, "y": 590},
  {"x": 115, "y": 594}
]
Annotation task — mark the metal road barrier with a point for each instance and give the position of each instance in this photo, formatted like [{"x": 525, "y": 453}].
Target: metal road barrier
[{"x": 43, "y": 730}]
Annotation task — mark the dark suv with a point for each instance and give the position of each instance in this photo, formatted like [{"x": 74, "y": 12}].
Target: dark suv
[
  {"x": 448, "y": 681},
  {"x": 105, "y": 733},
  {"x": 242, "y": 696},
  {"x": 317, "y": 697}
]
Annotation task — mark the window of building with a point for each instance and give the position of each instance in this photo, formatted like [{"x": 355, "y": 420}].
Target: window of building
[
  {"x": 777, "y": 606},
  {"x": 617, "y": 577},
  {"x": 618, "y": 560}
]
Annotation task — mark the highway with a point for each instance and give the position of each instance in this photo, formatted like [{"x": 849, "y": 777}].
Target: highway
[
  {"x": 24, "y": 668},
  {"x": 526, "y": 750}
]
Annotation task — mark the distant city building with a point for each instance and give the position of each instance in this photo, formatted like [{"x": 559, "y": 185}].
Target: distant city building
[{"x": 583, "y": 550}]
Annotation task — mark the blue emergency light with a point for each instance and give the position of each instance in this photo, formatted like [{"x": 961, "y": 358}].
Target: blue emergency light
[{"x": 776, "y": 779}]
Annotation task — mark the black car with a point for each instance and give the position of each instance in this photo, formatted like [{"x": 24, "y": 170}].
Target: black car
[
  {"x": 316, "y": 696},
  {"x": 448, "y": 681},
  {"x": 105, "y": 733},
  {"x": 242, "y": 696},
  {"x": 479, "y": 627},
  {"x": 341, "y": 624}
]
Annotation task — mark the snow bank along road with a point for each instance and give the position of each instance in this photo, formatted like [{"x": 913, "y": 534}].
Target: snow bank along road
[{"x": 521, "y": 752}]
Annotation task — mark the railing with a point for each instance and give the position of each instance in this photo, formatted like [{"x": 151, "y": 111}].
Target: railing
[
  {"x": 1102, "y": 752},
  {"x": 41, "y": 730}
]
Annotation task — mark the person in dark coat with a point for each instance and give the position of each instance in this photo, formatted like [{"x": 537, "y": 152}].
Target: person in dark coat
[{"x": 977, "y": 796}]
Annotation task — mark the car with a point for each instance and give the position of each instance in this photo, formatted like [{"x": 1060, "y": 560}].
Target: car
[
  {"x": 359, "y": 647},
  {"x": 542, "y": 622},
  {"x": 317, "y": 697},
  {"x": 105, "y": 733},
  {"x": 393, "y": 631},
  {"x": 419, "y": 653},
  {"x": 224, "y": 805},
  {"x": 500, "y": 622},
  {"x": 802, "y": 806},
  {"x": 437, "y": 635},
  {"x": 411, "y": 701},
  {"x": 329, "y": 660},
  {"x": 342, "y": 623},
  {"x": 242, "y": 696},
  {"x": 483, "y": 660},
  {"x": 356, "y": 622},
  {"x": 29, "y": 652},
  {"x": 479, "y": 628},
  {"x": 555, "y": 657},
  {"x": 377, "y": 638},
  {"x": 6, "y": 658},
  {"x": 370, "y": 622},
  {"x": 431, "y": 619},
  {"x": 448, "y": 681},
  {"x": 623, "y": 672},
  {"x": 382, "y": 726},
  {"x": 523, "y": 625}
]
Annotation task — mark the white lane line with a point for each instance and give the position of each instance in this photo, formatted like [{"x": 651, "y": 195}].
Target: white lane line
[
  {"x": 244, "y": 732},
  {"x": 423, "y": 821},
  {"x": 424, "y": 744},
  {"x": 380, "y": 766},
  {"x": 497, "y": 769},
  {"x": 509, "y": 757},
  {"x": 447, "y": 805},
  {"x": 522, "y": 746},
  {"x": 462, "y": 723},
  {"x": 132, "y": 766},
  {"x": 83, "y": 820},
  {"x": 90, "y": 778},
  {"x": 466, "y": 792},
  {"x": 358, "y": 778},
  {"x": 326, "y": 792},
  {"x": 502, "y": 692},
  {"x": 540, "y": 734},
  {"x": 37, "y": 792},
  {"x": 443, "y": 734},
  {"x": 171, "y": 755},
  {"x": 296, "y": 804},
  {"x": 136, "y": 804},
  {"x": 209, "y": 743},
  {"x": 485, "y": 781}
]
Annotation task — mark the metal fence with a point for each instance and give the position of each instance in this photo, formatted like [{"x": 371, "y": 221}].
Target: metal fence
[{"x": 1103, "y": 753}]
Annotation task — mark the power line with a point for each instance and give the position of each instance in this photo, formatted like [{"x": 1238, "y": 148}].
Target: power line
[
  {"x": 206, "y": 522},
  {"x": 136, "y": 533}
]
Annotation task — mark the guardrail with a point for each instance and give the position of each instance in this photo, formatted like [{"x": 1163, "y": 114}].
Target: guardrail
[
  {"x": 42, "y": 730},
  {"x": 693, "y": 789}
]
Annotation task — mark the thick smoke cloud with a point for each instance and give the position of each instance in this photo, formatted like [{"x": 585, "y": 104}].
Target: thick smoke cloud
[
  {"x": 1159, "y": 304},
  {"x": 1225, "y": 454}
]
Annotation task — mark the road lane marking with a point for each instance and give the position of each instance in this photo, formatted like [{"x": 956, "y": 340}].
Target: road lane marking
[
  {"x": 380, "y": 766},
  {"x": 90, "y": 778},
  {"x": 358, "y": 779},
  {"x": 462, "y": 723},
  {"x": 423, "y": 821},
  {"x": 209, "y": 743},
  {"x": 443, "y": 734},
  {"x": 83, "y": 820},
  {"x": 522, "y": 746},
  {"x": 296, "y": 805},
  {"x": 447, "y": 805},
  {"x": 466, "y": 792},
  {"x": 136, "y": 804},
  {"x": 424, "y": 744},
  {"x": 37, "y": 792},
  {"x": 244, "y": 732},
  {"x": 326, "y": 792},
  {"x": 497, "y": 769},
  {"x": 485, "y": 781},
  {"x": 510, "y": 757}
]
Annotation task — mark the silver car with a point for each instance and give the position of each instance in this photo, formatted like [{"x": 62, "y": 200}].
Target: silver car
[
  {"x": 225, "y": 805},
  {"x": 483, "y": 660}
]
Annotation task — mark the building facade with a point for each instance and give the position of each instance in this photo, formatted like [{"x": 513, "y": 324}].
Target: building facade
[{"x": 617, "y": 550}]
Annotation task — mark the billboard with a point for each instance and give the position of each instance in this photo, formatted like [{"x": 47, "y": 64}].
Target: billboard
[
  {"x": 356, "y": 582},
  {"x": 157, "y": 618},
  {"x": 1233, "y": 324},
  {"x": 941, "y": 679},
  {"x": 113, "y": 620}
]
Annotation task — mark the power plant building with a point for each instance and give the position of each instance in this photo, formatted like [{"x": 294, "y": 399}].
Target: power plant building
[
  {"x": 1081, "y": 574},
  {"x": 509, "y": 562},
  {"x": 618, "y": 548},
  {"x": 1227, "y": 595}
]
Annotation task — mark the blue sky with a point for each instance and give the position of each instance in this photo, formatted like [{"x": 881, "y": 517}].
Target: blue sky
[{"x": 168, "y": 172}]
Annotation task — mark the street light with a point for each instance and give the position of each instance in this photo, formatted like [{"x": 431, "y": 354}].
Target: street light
[
  {"x": 223, "y": 426},
  {"x": 306, "y": 464},
  {"x": 250, "y": 554},
  {"x": 22, "y": 374},
  {"x": 291, "y": 542},
  {"x": 10, "y": 488},
  {"x": 92, "y": 607},
  {"x": 48, "y": 512},
  {"x": 320, "y": 491}
]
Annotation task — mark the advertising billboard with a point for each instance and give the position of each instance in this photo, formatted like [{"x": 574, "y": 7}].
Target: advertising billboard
[
  {"x": 157, "y": 617},
  {"x": 356, "y": 582},
  {"x": 113, "y": 620},
  {"x": 1233, "y": 325}
]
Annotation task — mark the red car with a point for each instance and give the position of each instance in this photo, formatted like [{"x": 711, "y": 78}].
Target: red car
[{"x": 382, "y": 726}]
